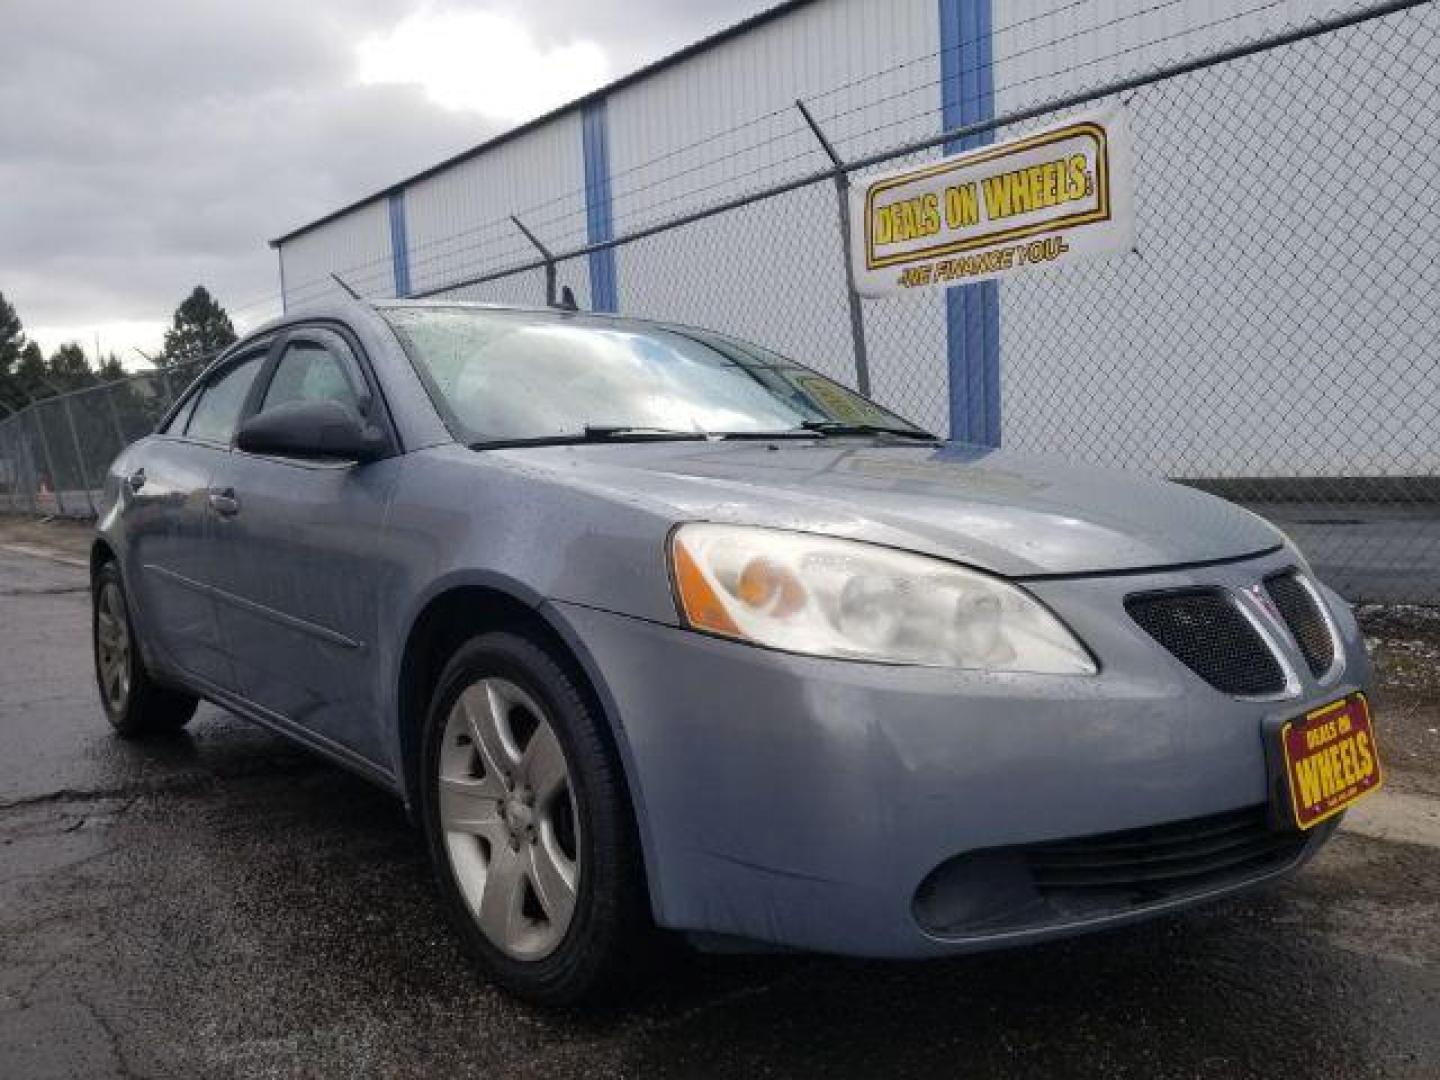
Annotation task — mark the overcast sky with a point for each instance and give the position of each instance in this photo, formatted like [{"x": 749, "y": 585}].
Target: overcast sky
[{"x": 151, "y": 145}]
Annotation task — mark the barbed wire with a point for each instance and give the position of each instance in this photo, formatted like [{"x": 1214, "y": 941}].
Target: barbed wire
[
  {"x": 1247, "y": 350},
  {"x": 426, "y": 254}
]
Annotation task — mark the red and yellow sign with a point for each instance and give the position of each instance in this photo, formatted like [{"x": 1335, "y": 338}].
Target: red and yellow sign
[{"x": 1330, "y": 759}]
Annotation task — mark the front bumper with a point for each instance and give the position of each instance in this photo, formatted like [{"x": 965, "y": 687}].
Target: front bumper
[{"x": 802, "y": 803}]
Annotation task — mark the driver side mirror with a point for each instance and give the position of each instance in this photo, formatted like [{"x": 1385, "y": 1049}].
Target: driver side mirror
[{"x": 312, "y": 429}]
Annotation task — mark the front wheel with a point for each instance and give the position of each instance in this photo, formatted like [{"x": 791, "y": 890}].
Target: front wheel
[
  {"x": 134, "y": 703},
  {"x": 528, "y": 824}
]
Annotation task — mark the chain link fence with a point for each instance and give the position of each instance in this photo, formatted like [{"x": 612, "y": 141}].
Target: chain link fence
[
  {"x": 54, "y": 453},
  {"x": 1271, "y": 339}
]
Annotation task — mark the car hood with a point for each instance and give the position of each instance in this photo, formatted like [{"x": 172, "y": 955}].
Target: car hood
[{"x": 1012, "y": 514}]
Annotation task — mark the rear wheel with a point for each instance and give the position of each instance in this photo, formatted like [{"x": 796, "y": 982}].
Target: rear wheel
[
  {"x": 528, "y": 825},
  {"x": 135, "y": 704}
]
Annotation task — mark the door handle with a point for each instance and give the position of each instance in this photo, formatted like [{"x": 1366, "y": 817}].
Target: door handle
[
  {"x": 224, "y": 502},
  {"x": 135, "y": 481}
]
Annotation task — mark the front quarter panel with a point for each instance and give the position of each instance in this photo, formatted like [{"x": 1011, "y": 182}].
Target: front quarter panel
[
  {"x": 458, "y": 510},
  {"x": 462, "y": 518}
]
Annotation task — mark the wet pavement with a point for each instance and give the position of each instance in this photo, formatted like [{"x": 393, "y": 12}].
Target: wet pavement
[
  {"x": 1387, "y": 552},
  {"x": 220, "y": 904}
]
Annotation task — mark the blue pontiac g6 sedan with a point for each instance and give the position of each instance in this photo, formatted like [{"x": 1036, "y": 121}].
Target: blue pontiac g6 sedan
[{"x": 653, "y": 628}]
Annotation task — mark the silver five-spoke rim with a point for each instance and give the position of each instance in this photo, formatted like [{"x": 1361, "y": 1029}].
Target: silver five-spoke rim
[
  {"x": 507, "y": 809},
  {"x": 112, "y": 647}
]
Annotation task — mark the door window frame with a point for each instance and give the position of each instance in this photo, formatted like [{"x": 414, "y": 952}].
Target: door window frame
[
  {"x": 359, "y": 398},
  {"x": 355, "y": 365},
  {"x": 184, "y": 406}
]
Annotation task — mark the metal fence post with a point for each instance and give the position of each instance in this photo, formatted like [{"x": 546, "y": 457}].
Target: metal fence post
[
  {"x": 12, "y": 452},
  {"x": 29, "y": 468},
  {"x": 550, "y": 290},
  {"x": 7, "y": 452},
  {"x": 857, "y": 314},
  {"x": 49, "y": 462},
  {"x": 79, "y": 453},
  {"x": 115, "y": 419}
]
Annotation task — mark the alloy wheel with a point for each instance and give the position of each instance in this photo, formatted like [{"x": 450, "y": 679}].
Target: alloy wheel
[
  {"x": 507, "y": 810},
  {"x": 112, "y": 647}
]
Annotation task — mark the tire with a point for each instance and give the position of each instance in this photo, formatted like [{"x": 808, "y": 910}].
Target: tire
[
  {"x": 531, "y": 935},
  {"x": 135, "y": 704}
]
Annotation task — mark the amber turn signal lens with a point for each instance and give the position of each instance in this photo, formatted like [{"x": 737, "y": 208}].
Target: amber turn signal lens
[
  {"x": 698, "y": 602},
  {"x": 768, "y": 586}
]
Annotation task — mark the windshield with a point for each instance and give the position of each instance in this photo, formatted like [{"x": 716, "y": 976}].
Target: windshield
[{"x": 504, "y": 376}]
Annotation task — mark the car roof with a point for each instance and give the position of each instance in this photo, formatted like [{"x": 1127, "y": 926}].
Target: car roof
[
  {"x": 582, "y": 318},
  {"x": 558, "y": 314},
  {"x": 370, "y": 313}
]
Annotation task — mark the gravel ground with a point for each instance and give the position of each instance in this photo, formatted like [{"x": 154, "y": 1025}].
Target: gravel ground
[{"x": 222, "y": 904}]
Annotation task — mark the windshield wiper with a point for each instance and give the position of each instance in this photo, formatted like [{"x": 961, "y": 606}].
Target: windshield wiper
[
  {"x": 593, "y": 433},
  {"x": 596, "y": 433},
  {"x": 843, "y": 427},
  {"x": 760, "y": 436},
  {"x": 600, "y": 432}
]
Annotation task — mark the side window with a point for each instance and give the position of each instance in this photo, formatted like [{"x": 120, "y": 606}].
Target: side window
[
  {"x": 309, "y": 372},
  {"x": 221, "y": 401},
  {"x": 181, "y": 418}
]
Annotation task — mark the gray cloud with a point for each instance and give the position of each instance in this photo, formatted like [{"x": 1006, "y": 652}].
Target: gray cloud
[{"x": 150, "y": 146}]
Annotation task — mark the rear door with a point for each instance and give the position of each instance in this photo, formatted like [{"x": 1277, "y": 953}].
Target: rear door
[
  {"x": 304, "y": 558},
  {"x": 169, "y": 551}
]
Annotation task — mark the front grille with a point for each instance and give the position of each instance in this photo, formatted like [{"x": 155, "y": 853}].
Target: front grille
[
  {"x": 1209, "y": 635},
  {"x": 1142, "y": 866},
  {"x": 1306, "y": 621}
]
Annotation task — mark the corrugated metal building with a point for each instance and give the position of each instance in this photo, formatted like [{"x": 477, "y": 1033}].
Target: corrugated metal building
[{"x": 719, "y": 119}]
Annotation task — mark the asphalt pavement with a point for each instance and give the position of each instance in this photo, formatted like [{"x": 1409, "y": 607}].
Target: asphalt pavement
[
  {"x": 1386, "y": 552},
  {"x": 221, "y": 904}
]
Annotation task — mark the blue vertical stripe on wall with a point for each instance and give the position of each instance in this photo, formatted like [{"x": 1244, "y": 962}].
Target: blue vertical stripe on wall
[
  {"x": 399, "y": 244},
  {"x": 972, "y": 312},
  {"x": 599, "y": 219}
]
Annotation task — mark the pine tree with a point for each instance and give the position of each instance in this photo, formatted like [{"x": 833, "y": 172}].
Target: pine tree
[
  {"x": 109, "y": 368},
  {"x": 13, "y": 351},
  {"x": 12, "y": 336},
  {"x": 30, "y": 373},
  {"x": 201, "y": 328},
  {"x": 69, "y": 369}
]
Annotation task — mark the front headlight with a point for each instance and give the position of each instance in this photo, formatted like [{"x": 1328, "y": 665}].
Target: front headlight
[{"x": 841, "y": 598}]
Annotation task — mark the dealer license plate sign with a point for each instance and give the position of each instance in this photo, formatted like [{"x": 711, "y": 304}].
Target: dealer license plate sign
[{"x": 1330, "y": 759}]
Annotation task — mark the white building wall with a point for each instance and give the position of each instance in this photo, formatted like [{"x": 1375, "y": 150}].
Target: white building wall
[
  {"x": 1250, "y": 332},
  {"x": 1172, "y": 359},
  {"x": 459, "y": 220},
  {"x": 1047, "y": 48},
  {"x": 355, "y": 246},
  {"x": 773, "y": 272}
]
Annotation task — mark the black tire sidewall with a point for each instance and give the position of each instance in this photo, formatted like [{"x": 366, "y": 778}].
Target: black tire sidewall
[
  {"x": 580, "y": 962},
  {"x": 150, "y": 708}
]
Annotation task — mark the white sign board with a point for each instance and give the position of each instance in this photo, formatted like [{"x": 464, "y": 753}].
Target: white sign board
[{"x": 1041, "y": 200}]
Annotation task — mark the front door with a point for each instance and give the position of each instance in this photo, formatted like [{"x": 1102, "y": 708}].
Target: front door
[{"x": 303, "y": 547}]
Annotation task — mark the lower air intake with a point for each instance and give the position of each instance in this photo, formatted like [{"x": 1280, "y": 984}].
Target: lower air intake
[{"x": 1154, "y": 864}]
